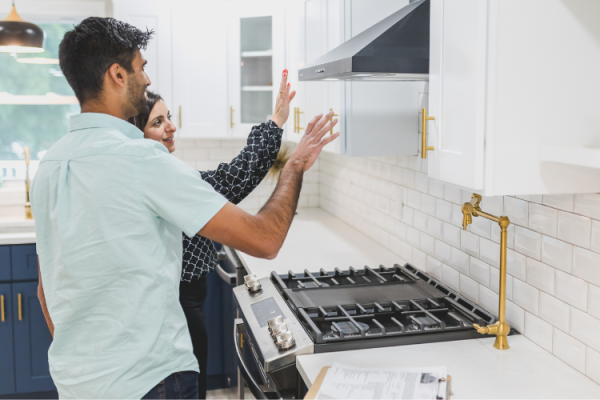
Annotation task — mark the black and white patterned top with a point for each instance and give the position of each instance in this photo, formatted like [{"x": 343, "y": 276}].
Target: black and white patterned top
[{"x": 235, "y": 181}]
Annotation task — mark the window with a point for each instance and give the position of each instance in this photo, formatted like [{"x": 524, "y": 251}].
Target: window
[{"x": 35, "y": 103}]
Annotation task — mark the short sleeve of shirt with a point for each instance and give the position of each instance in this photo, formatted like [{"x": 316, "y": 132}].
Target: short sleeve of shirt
[{"x": 177, "y": 193}]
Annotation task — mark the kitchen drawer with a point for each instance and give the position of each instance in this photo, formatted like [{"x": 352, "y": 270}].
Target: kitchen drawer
[
  {"x": 7, "y": 366},
  {"x": 4, "y": 263},
  {"x": 24, "y": 262}
]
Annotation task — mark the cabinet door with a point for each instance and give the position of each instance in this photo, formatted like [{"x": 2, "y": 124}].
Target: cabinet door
[
  {"x": 4, "y": 263},
  {"x": 315, "y": 30},
  {"x": 256, "y": 43},
  {"x": 295, "y": 60},
  {"x": 153, "y": 15},
  {"x": 32, "y": 340},
  {"x": 457, "y": 73},
  {"x": 200, "y": 69},
  {"x": 24, "y": 262},
  {"x": 7, "y": 360}
]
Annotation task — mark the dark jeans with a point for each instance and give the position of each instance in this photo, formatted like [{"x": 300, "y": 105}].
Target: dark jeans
[
  {"x": 180, "y": 385},
  {"x": 191, "y": 297}
]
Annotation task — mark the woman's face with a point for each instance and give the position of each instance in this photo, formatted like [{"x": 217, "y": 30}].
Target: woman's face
[{"x": 160, "y": 127}]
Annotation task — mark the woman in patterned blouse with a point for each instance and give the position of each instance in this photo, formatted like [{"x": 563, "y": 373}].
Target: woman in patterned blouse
[{"x": 235, "y": 181}]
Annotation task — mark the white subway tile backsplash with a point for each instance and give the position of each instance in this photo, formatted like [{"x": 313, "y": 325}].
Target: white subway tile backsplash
[
  {"x": 495, "y": 283},
  {"x": 435, "y": 228},
  {"x": 538, "y": 331},
  {"x": 481, "y": 227},
  {"x": 526, "y": 296},
  {"x": 535, "y": 198},
  {"x": 586, "y": 265},
  {"x": 427, "y": 244},
  {"x": 434, "y": 267},
  {"x": 407, "y": 215},
  {"x": 413, "y": 236},
  {"x": 451, "y": 277},
  {"x": 408, "y": 178},
  {"x": 516, "y": 210},
  {"x": 427, "y": 204},
  {"x": 436, "y": 188},
  {"x": 420, "y": 221},
  {"x": 419, "y": 259},
  {"x": 489, "y": 252},
  {"x": 460, "y": 261},
  {"x": 557, "y": 253},
  {"x": 574, "y": 229},
  {"x": 421, "y": 182},
  {"x": 406, "y": 251},
  {"x": 469, "y": 243},
  {"x": 480, "y": 271},
  {"x": 528, "y": 242},
  {"x": 543, "y": 219},
  {"x": 571, "y": 289},
  {"x": 569, "y": 350},
  {"x": 488, "y": 300},
  {"x": 443, "y": 210},
  {"x": 452, "y": 194},
  {"x": 585, "y": 328},
  {"x": 414, "y": 199},
  {"x": 588, "y": 205},
  {"x": 554, "y": 311},
  {"x": 516, "y": 264},
  {"x": 540, "y": 275},
  {"x": 592, "y": 365},
  {"x": 595, "y": 245},
  {"x": 594, "y": 301},
  {"x": 515, "y": 316},
  {"x": 443, "y": 252},
  {"x": 457, "y": 216},
  {"x": 452, "y": 235},
  {"x": 469, "y": 288},
  {"x": 563, "y": 202},
  {"x": 493, "y": 205}
]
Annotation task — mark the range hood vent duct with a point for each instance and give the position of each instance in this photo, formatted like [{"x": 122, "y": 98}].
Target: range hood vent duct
[{"x": 396, "y": 48}]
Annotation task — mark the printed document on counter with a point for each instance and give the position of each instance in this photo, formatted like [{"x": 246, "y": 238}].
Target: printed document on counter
[{"x": 348, "y": 382}]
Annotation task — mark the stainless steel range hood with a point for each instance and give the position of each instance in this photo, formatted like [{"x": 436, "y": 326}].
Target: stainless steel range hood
[{"x": 396, "y": 48}]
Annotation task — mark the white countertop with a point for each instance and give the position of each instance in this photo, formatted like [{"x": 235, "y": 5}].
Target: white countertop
[
  {"x": 525, "y": 371},
  {"x": 317, "y": 240},
  {"x": 17, "y": 231}
]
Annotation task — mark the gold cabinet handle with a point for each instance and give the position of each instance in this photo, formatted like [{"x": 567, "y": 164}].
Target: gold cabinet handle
[
  {"x": 231, "y": 110},
  {"x": 297, "y": 113},
  {"x": 334, "y": 115},
  {"x": 424, "y": 146},
  {"x": 2, "y": 307},
  {"x": 20, "y": 308},
  {"x": 179, "y": 117}
]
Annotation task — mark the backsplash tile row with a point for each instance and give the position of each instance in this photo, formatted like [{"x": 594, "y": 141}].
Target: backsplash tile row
[{"x": 553, "y": 261}]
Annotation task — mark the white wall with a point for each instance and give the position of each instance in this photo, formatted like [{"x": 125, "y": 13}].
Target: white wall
[
  {"x": 553, "y": 258},
  {"x": 204, "y": 155}
]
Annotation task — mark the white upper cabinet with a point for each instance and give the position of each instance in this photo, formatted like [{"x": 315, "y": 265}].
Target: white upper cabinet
[
  {"x": 255, "y": 62},
  {"x": 294, "y": 60},
  {"x": 514, "y": 89},
  {"x": 200, "y": 106}
]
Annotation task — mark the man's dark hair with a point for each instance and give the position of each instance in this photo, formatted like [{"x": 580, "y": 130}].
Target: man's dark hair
[{"x": 88, "y": 51}]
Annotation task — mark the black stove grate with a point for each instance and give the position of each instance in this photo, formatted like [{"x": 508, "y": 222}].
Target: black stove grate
[{"x": 442, "y": 310}]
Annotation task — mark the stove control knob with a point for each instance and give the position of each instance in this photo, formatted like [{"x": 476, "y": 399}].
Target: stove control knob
[
  {"x": 285, "y": 341},
  {"x": 278, "y": 320},
  {"x": 252, "y": 283}
]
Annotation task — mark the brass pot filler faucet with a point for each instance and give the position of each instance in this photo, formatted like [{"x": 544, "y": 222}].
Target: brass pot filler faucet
[{"x": 500, "y": 328}]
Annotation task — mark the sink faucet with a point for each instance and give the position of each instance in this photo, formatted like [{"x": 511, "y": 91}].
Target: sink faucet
[{"x": 501, "y": 328}]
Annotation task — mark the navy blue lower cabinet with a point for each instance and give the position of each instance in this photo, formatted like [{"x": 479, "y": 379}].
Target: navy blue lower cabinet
[
  {"x": 4, "y": 263},
  {"x": 31, "y": 340},
  {"x": 7, "y": 365},
  {"x": 24, "y": 262}
]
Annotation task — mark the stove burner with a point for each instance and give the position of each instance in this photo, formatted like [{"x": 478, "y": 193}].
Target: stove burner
[
  {"x": 426, "y": 322},
  {"x": 348, "y": 328}
]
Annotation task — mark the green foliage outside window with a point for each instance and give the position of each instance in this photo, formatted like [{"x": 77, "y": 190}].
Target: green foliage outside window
[{"x": 36, "y": 126}]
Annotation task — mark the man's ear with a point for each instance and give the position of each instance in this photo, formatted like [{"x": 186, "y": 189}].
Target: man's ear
[{"x": 117, "y": 75}]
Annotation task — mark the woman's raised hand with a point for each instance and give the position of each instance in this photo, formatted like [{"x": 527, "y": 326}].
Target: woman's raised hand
[{"x": 282, "y": 105}]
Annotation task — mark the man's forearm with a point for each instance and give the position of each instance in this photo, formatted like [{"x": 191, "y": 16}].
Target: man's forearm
[{"x": 279, "y": 210}]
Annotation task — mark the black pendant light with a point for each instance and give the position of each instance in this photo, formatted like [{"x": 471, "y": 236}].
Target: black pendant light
[{"x": 19, "y": 36}]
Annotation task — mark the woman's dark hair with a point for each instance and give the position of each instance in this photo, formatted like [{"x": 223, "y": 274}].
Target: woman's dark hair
[
  {"x": 141, "y": 120},
  {"x": 88, "y": 50}
]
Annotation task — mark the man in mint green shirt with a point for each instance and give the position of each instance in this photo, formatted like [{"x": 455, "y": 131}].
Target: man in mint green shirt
[{"x": 110, "y": 208}]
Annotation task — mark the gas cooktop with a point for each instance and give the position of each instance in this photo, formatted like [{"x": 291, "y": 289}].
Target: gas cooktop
[{"x": 365, "y": 308}]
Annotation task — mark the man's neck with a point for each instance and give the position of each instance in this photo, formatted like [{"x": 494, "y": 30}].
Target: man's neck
[{"x": 110, "y": 108}]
